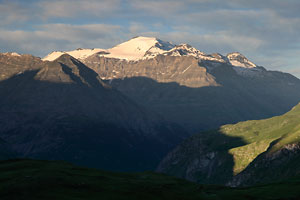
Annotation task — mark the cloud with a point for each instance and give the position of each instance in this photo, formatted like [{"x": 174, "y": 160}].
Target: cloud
[
  {"x": 156, "y": 7},
  {"x": 77, "y": 8},
  {"x": 136, "y": 28},
  {"x": 266, "y": 27},
  {"x": 41, "y": 11},
  {"x": 52, "y": 37},
  {"x": 221, "y": 42},
  {"x": 12, "y": 12}
]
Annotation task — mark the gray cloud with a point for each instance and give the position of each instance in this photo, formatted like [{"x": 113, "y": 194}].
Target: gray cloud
[
  {"x": 16, "y": 11},
  {"x": 12, "y": 12},
  {"x": 77, "y": 8},
  {"x": 52, "y": 37},
  {"x": 156, "y": 7}
]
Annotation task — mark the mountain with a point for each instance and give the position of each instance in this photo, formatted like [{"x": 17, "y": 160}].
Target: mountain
[
  {"x": 197, "y": 90},
  {"x": 78, "y": 54},
  {"x": 6, "y": 151},
  {"x": 238, "y": 60},
  {"x": 63, "y": 110},
  {"x": 12, "y": 64},
  {"x": 246, "y": 153},
  {"x": 35, "y": 179},
  {"x": 135, "y": 49}
]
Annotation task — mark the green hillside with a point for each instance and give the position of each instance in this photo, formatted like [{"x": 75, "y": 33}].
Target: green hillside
[
  {"x": 29, "y": 179},
  {"x": 260, "y": 134},
  {"x": 240, "y": 154}
]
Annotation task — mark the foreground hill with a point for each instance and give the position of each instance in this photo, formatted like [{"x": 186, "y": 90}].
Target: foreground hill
[
  {"x": 29, "y": 179},
  {"x": 62, "y": 110},
  {"x": 245, "y": 153},
  {"x": 197, "y": 90}
]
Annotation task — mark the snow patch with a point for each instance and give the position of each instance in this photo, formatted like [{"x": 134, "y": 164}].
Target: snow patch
[
  {"x": 238, "y": 60},
  {"x": 188, "y": 50},
  {"x": 78, "y": 54},
  {"x": 11, "y": 54},
  {"x": 52, "y": 56},
  {"x": 138, "y": 48}
]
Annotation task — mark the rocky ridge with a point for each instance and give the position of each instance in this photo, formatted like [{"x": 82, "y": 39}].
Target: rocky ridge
[{"x": 140, "y": 48}]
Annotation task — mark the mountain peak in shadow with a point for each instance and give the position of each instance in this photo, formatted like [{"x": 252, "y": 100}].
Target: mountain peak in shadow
[
  {"x": 62, "y": 110},
  {"x": 67, "y": 69}
]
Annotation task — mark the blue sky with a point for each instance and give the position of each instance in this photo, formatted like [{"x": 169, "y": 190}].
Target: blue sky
[{"x": 267, "y": 32}]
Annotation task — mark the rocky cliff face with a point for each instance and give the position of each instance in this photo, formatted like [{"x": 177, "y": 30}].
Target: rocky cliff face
[
  {"x": 243, "y": 154},
  {"x": 200, "y": 94},
  {"x": 12, "y": 64},
  {"x": 62, "y": 110},
  {"x": 185, "y": 71},
  {"x": 202, "y": 158},
  {"x": 270, "y": 166}
]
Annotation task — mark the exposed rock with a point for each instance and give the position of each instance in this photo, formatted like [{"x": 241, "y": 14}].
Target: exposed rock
[
  {"x": 164, "y": 69},
  {"x": 243, "y": 154}
]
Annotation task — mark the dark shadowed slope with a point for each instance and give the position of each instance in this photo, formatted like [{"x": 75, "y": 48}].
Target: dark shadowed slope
[
  {"x": 263, "y": 151},
  {"x": 200, "y": 94},
  {"x": 6, "y": 151},
  {"x": 62, "y": 110}
]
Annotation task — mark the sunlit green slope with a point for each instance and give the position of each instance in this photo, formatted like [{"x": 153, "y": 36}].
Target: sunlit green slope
[
  {"x": 240, "y": 154},
  {"x": 258, "y": 136}
]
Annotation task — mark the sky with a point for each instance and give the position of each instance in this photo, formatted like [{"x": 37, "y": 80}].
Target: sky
[{"x": 266, "y": 32}]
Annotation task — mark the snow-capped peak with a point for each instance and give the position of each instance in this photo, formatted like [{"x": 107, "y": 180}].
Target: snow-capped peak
[
  {"x": 238, "y": 60},
  {"x": 53, "y": 55},
  {"x": 243, "y": 66},
  {"x": 184, "y": 50},
  {"x": 11, "y": 54},
  {"x": 78, "y": 53},
  {"x": 138, "y": 48}
]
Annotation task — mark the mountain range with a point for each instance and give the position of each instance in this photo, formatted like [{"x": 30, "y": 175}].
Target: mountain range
[
  {"x": 125, "y": 109},
  {"x": 186, "y": 86},
  {"x": 62, "y": 110}
]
